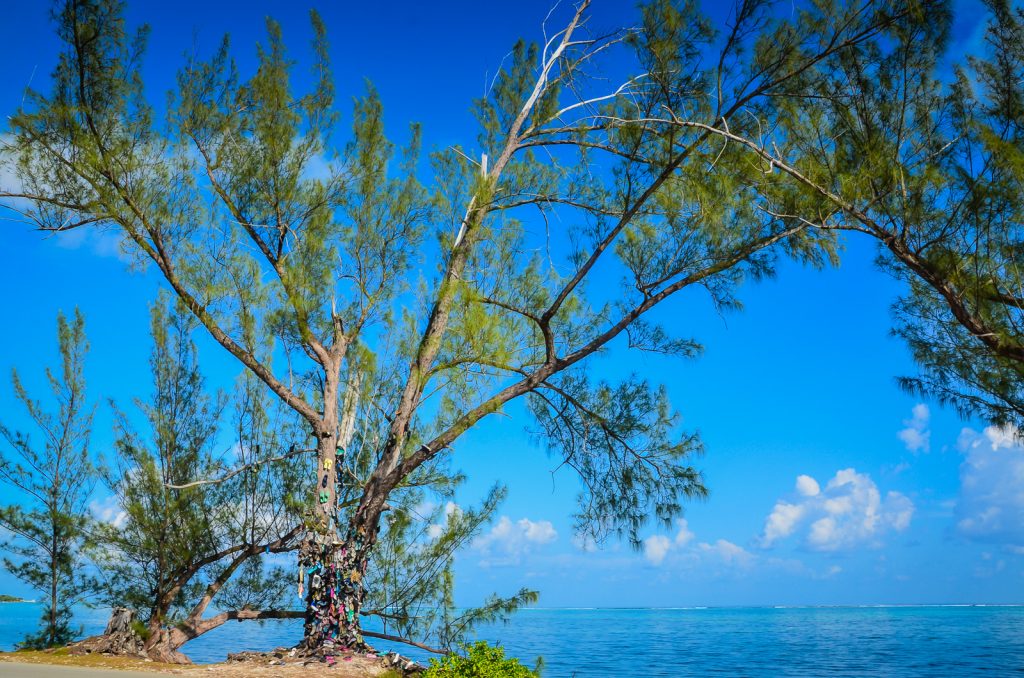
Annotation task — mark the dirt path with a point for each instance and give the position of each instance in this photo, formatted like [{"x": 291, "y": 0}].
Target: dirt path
[
  {"x": 10, "y": 669},
  {"x": 54, "y": 665}
]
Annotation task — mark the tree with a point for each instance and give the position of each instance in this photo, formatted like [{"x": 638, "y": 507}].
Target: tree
[
  {"x": 927, "y": 160},
  {"x": 960, "y": 238},
  {"x": 52, "y": 481},
  {"x": 227, "y": 206},
  {"x": 174, "y": 550}
]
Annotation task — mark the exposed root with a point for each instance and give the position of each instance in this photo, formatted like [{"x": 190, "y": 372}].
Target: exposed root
[{"x": 119, "y": 638}]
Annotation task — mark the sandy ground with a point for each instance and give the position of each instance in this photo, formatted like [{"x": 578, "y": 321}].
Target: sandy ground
[
  {"x": 11, "y": 669},
  {"x": 56, "y": 665}
]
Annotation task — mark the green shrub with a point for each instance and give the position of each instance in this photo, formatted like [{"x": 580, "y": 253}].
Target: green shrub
[
  {"x": 480, "y": 661},
  {"x": 141, "y": 630}
]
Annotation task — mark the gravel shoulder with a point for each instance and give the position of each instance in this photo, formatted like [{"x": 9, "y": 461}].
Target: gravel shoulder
[{"x": 63, "y": 665}]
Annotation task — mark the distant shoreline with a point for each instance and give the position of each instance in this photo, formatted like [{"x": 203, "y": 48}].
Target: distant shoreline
[{"x": 4, "y": 598}]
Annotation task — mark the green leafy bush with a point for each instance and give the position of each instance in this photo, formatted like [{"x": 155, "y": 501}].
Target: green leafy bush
[
  {"x": 480, "y": 661},
  {"x": 141, "y": 630}
]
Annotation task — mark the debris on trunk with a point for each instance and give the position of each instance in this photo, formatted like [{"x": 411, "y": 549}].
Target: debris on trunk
[{"x": 334, "y": 593}]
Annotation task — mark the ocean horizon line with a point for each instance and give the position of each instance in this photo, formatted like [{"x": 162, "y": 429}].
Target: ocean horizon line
[
  {"x": 581, "y": 608},
  {"x": 764, "y": 607}
]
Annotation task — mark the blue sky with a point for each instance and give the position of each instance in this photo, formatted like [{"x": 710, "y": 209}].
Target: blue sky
[{"x": 828, "y": 484}]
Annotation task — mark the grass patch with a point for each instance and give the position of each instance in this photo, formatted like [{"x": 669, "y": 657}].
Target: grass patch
[{"x": 63, "y": 657}]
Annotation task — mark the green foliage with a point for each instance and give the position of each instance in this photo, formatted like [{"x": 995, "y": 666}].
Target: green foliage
[
  {"x": 620, "y": 441},
  {"x": 964, "y": 317},
  {"x": 410, "y": 583},
  {"x": 887, "y": 144},
  {"x": 51, "y": 482},
  {"x": 163, "y": 531},
  {"x": 141, "y": 630},
  {"x": 480, "y": 661},
  {"x": 173, "y": 549}
]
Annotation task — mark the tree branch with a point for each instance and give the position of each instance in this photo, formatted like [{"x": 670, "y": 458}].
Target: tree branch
[
  {"x": 240, "y": 469},
  {"x": 398, "y": 639}
]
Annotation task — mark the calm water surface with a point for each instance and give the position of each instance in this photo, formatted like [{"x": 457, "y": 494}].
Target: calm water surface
[{"x": 850, "y": 641}]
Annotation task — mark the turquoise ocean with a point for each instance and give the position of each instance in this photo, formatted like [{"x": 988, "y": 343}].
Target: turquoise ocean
[{"x": 943, "y": 641}]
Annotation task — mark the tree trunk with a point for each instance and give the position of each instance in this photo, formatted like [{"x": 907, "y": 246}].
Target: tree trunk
[
  {"x": 330, "y": 569},
  {"x": 53, "y": 591},
  {"x": 332, "y": 572},
  {"x": 163, "y": 646},
  {"x": 118, "y": 638}
]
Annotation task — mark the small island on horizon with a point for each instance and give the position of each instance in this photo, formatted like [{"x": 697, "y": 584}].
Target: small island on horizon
[{"x": 4, "y": 598}]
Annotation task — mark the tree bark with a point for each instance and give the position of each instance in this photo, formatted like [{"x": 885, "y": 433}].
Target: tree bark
[
  {"x": 118, "y": 638},
  {"x": 53, "y": 593},
  {"x": 163, "y": 645}
]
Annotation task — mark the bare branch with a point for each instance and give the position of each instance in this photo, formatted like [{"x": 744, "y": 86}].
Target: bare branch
[{"x": 241, "y": 469}]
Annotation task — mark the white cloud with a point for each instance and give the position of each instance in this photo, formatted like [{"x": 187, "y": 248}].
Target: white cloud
[
  {"x": 541, "y": 532},
  {"x": 9, "y": 180},
  {"x": 991, "y": 503},
  {"x": 511, "y": 541},
  {"x": 424, "y": 509},
  {"x": 916, "y": 436},
  {"x": 849, "y": 512},
  {"x": 781, "y": 522},
  {"x": 584, "y": 542},
  {"x": 107, "y": 510},
  {"x": 719, "y": 558},
  {"x": 320, "y": 167},
  {"x": 656, "y": 547},
  {"x": 684, "y": 535},
  {"x": 785, "y": 516},
  {"x": 435, "y": 530},
  {"x": 728, "y": 553},
  {"x": 807, "y": 486},
  {"x": 103, "y": 242},
  {"x": 898, "y": 468}
]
